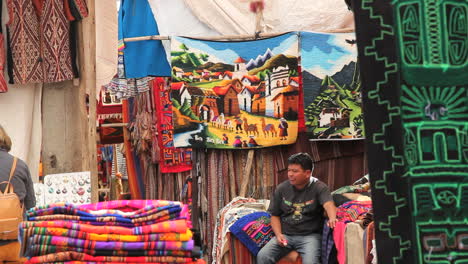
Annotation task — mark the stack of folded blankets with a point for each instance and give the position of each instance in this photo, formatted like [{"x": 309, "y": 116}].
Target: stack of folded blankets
[{"x": 135, "y": 231}]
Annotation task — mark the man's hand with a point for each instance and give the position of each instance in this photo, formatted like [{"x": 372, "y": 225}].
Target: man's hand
[
  {"x": 332, "y": 222},
  {"x": 282, "y": 240},
  {"x": 330, "y": 208}
]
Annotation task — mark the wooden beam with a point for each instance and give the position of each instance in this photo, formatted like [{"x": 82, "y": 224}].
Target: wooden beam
[
  {"x": 87, "y": 86},
  {"x": 69, "y": 132}
]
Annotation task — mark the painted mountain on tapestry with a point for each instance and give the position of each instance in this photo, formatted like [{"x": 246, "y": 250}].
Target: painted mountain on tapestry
[
  {"x": 241, "y": 94},
  {"x": 332, "y": 86}
]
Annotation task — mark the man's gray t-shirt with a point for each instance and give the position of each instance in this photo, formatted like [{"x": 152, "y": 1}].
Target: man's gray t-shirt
[{"x": 300, "y": 211}]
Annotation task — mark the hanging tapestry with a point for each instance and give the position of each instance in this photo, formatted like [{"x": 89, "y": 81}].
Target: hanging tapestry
[
  {"x": 3, "y": 84},
  {"x": 109, "y": 110},
  {"x": 241, "y": 94},
  {"x": 41, "y": 41},
  {"x": 171, "y": 159},
  {"x": 332, "y": 86},
  {"x": 415, "y": 58}
]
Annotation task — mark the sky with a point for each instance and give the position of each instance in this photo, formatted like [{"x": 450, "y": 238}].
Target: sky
[
  {"x": 325, "y": 54},
  {"x": 227, "y": 52}
]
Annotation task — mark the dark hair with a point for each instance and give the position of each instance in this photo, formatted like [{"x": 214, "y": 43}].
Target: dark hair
[{"x": 302, "y": 159}]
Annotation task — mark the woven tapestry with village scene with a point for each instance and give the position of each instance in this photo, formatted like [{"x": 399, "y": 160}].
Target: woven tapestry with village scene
[
  {"x": 235, "y": 94},
  {"x": 332, "y": 86}
]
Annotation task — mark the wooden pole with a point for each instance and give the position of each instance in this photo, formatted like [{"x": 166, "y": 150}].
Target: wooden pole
[
  {"x": 87, "y": 60},
  {"x": 69, "y": 128},
  {"x": 230, "y": 37}
]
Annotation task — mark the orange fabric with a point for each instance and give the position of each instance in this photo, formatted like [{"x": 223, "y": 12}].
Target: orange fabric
[
  {"x": 68, "y": 14},
  {"x": 3, "y": 84},
  {"x": 133, "y": 184},
  {"x": 292, "y": 258}
]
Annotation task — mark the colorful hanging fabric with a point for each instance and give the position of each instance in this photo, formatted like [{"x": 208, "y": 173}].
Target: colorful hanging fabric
[
  {"x": 332, "y": 86},
  {"x": 235, "y": 95},
  {"x": 75, "y": 256},
  {"x": 109, "y": 112},
  {"x": 39, "y": 46},
  {"x": 171, "y": 159},
  {"x": 3, "y": 85},
  {"x": 135, "y": 188},
  {"x": 141, "y": 58}
]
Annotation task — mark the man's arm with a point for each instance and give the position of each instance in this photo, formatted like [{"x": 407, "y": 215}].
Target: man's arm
[
  {"x": 330, "y": 209},
  {"x": 276, "y": 226}
]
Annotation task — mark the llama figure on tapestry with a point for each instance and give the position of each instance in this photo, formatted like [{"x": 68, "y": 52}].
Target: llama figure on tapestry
[{"x": 235, "y": 94}]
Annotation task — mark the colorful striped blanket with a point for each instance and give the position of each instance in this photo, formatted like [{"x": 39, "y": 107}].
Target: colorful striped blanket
[
  {"x": 71, "y": 209},
  {"x": 39, "y": 250},
  {"x": 178, "y": 226},
  {"x": 112, "y": 245},
  {"x": 54, "y": 231},
  {"x": 353, "y": 210},
  {"x": 75, "y": 256},
  {"x": 127, "y": 204},
  {"x": 66, "y": 213}
]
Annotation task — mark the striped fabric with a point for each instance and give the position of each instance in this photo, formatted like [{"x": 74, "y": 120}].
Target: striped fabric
[
  {"x": 353, "y": 210},
  {"x": 156, "y": 232},
  {"x": 131, "y": 204},
  {"x": 116, "y": 245},
  {"x": 39, "y": 250},
  {"x": 51, "y": 231},
  {"x": 75, "y": 256},
  {"x": 178, "y": 226}
]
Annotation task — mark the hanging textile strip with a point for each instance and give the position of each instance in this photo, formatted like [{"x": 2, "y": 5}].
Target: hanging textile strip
[
  {"x": 171, "y": 159},
  {"x": 3, "y": 84},
  {"x": 246, "y": 100},
  {"x": 135, "y": 190},
  {"x": 75, "y": 256},
  {"x": 332, "y": 86}
]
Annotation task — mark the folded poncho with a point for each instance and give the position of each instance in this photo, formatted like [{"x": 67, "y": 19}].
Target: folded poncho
[
  {"x": 112, "y": 245},
  {"x": 39, "y": 250},
  {"x": 55, "y": 231},
  {"x": 75, "y": 256},
  {"x": 178, "y": 226}
]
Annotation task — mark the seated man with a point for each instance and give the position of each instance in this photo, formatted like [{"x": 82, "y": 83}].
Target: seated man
[{"x": 297, "y": 214}]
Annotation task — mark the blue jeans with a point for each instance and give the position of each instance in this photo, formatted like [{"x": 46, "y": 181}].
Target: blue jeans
[{"x": 308, "y": 246}]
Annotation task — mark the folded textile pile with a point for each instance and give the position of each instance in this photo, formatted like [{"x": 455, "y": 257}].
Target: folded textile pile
[{"x": 136, "y": 231}]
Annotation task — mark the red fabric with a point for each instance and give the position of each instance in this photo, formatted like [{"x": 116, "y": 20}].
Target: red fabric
[
  {"x": 103, "y": 109},
  {"x": 39, "y": 55},
  {"x": 171, "y": 159},
  {"x": 3, "y": 84},
  {"x": 301, "y": 127},
  {"x": 369, "y": 237},
  {"x": 131, "y": 170},
  {"x": 68, "y": 14},
  {"x": 338, "y": 237}
]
